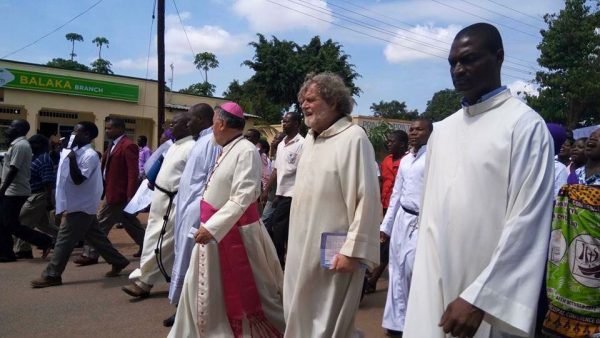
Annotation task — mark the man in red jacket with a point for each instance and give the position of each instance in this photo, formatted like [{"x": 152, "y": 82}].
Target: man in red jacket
[{"x": 120, "y": 173}]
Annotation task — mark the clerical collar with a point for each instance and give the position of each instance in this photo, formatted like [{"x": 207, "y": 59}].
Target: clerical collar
[
  {"x": 231, "y": 140},
  {"x": 483, "y": 97}
]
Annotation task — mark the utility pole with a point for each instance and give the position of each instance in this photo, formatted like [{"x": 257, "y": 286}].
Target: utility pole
[{"x": 160, "y": 30}]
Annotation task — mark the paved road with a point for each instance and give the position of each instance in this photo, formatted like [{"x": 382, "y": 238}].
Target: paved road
[{"x": 90, "y": 305}]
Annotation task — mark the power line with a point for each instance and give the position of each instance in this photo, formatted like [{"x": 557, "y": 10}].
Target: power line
[
  {"x": 484, "y": 18},
  {"x": 525, "y": 63},
  {"x": 503, "y": 15},
  {"x": 148, "y": 57},
  {"x": 517, "y": 11},
  {"x": 186, "y": 36},
  {"x": 369, "y": 35},
  {"x": 393, "y": 34},
  {"x": 54, "y": 30}
]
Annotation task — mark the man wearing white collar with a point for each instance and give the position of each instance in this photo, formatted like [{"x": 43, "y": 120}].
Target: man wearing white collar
[
  {"x": 485, "y": 218},
  {"x": 400, "y": 224},
  {"x": 233, "y": 285}
]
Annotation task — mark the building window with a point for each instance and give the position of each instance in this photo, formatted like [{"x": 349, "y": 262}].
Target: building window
[
  {"x": 63, "y": 115},
  {"x": 10, "y": 110}
]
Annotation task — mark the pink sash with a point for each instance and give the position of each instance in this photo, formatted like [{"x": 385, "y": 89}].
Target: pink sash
[{"x": 239, "y": 287}]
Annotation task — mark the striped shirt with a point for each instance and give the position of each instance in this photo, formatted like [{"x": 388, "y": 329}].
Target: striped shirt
[{"x": 42, "y": 172}]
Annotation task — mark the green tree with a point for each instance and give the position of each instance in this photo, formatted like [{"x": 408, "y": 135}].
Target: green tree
[
  {"x": 280, "y": 67},
  {"x": 393, "y": 110},
  {"x": 101, "y": 66},
  {"x": 73, "y": 37},
  {"x": 67, "y": 64},
  {"x": 570, "y": 84},
  {"x": 378, "y": 137},
  {"x": 206, "y": 61},
  {"x": 443, "y": 104},
  {"x": 251, "y": 97},
  {"x": 200, "y": 88},
  {"x": 100, "y": 41}
]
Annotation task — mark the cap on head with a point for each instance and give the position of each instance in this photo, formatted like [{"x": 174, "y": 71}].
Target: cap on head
[{"x": 233, "y": 109}]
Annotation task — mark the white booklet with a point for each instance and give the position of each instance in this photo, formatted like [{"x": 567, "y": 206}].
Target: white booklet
[{"x": 331, "y": 244}]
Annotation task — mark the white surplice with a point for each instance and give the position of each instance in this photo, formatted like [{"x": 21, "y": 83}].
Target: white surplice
[
  {"x": 485, "y": 219},
  {"x": 200, "y": 163},
  {"x": 233, "y": 186},
  {"x": 336, "y": 190},
  {"x": 401, "y": 226},
  {"x": 168, "y": 179}
]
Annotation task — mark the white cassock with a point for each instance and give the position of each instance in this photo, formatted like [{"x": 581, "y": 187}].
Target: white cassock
[
  {"x": 485, "y": 219},
  {"x": 200, "y": 163},
  {"x": 168, "y": 179},
  {"x": 401, "y": 226},
  {"x": 232, "y": 188},
  {"x": 336, "y": 190}
]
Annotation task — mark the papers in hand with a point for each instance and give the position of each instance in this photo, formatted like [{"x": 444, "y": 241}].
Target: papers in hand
[
  {"x": 331, "y": 244},
  {"x": 141, "y": 200}
]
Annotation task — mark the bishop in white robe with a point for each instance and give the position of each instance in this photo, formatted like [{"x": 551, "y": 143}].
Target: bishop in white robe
[
  {"x": 233, "y": 284},
  {"x": 168, "y": 179},
  {"x": 400, "y": 224},
  {"x": 336, "y": 190},
  {"x": 485, "y": 219},
  {"x": 200, "y": 163}
]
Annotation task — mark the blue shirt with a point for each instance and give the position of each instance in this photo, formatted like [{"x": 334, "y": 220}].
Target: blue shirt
[
  {"x": 484, "y": 97},
  {"x": 42, "y": 172},
  {"x": 593, "y": 180}
]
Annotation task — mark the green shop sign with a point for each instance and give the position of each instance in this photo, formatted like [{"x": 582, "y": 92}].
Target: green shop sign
[{"x": 26, "y": 80}]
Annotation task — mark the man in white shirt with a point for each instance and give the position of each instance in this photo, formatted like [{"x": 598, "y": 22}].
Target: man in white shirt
[
  {"x": 81, "y": 189},
  {"x": 284, "y": 173},
  {"x": 487, "y": 206},
  {"x": 400, "y": 224}
]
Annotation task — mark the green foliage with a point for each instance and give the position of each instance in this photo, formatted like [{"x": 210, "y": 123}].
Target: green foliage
[
  {"x": 252, "y": 99},
  {"x": 443, "y": 104},
  {"x": 201, "y": 88},
  {"x": 280, "y": 68},
  {"x": 101, "y": 66},
  {"x": 570, "y": 84},
  {"x": 73, "y": 37},
  {"x": 393, "y": 110},
  {"x": 100, "y": 41},
  {"x": 378, "y": 137},
  {"x": 206, "y": 61},
  {"x": 67, "y": 64}
]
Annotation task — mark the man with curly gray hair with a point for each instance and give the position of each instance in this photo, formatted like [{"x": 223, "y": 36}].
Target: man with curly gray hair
[{"x": 336, "y": 170}]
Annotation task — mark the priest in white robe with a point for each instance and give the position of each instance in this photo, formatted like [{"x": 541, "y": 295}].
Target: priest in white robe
[
  {"x": 233, "y": 284},
  {"x": 485, "y": 219},
  {"x": 400, "y": 224},
  {"x": 200, "y": 163},
  {"x": 167, "y": 183},
  {"x": 336, "y": 191}
]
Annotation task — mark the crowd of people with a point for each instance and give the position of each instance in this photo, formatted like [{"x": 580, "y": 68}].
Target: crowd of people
[{"x": 487, "y": 221}]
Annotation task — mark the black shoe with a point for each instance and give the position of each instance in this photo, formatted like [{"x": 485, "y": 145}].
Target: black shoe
[
  {"x": 392, "y": 333},
  {"x": 169, "y": 321},
  {"x": 24, "y": 255}
]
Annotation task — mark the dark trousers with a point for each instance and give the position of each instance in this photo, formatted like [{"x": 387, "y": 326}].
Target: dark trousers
[
  {"x": 281, "y": 224},
  {"x": 11, "y": 226},
  {"x": 78, "y": 226},
  {"x": 109, "y": 215}
]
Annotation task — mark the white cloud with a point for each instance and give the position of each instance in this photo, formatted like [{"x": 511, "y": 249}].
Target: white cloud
[
  {"x": 202, "y": 39},
  {"x": 422, "y": 42},
  {"x": 267, "y": 17},
  {"x": 519, "y": 88},
  {"x": 178, "y": 52}
]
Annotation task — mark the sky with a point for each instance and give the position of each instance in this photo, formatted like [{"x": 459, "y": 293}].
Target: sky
[{"x": 398, "y": 47}]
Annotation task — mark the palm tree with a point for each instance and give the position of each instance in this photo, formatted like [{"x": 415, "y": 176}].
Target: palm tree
[
  {"x": 206, "y": 61},
  {"x": 99, "y": 41},
  {"x": 73, "y": 37}
]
